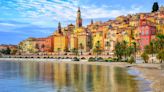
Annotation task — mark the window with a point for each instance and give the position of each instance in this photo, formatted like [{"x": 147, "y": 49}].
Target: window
[
  {"x": 147, "y": 32},
  {"x": 143, "y": 28},
  {"x": 142, "y": 32},
  {"x": 153, "y": 32},
  {"x": 108, "y": 34},
  {"x": 101, "y": 34}
]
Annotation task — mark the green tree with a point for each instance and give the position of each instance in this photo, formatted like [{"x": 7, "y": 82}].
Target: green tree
[
  {"x": 119, "y": 51},
  {"x": 66, "y": 50},
  {"x": 89, "y": 43},
  {"x": 43, "y": 46},
  {"x": 0, "y": 55},
  {"x": 160, "y": 56},
  {"x": 97, "y": 49},
  {"x": 75, "y": 51},
  {"x": 14, "y": 51},
  {"x": 130, "y": 50},
  {"x": 125, "y": 46},
  {"x": 159, "y": 42},
  {"x": 2, "y": 51},
  {"x": 59, "y": 49},
  {"x": 37, "y": 48},
  {"x": 131, "y": 60},
  {"x": 155, "y": 7},
  {"x": 147, "y": 49},
  {"x": 81, "y": 48},
  {"x": 8, "y": 50},
  {"x": 135, "y": 48},
  {"x": 107, "y": 44},
  {"x": 145, "y": 57}
]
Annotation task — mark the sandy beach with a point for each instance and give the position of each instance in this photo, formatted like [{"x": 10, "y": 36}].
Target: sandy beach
[{"x": 152, "y": 72}]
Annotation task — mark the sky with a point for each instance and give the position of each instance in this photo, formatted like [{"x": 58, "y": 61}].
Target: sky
[{"x": 20, "y": 19}]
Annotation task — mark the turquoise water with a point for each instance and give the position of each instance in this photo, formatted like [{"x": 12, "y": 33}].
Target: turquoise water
[{"x": 55, "y": 77}]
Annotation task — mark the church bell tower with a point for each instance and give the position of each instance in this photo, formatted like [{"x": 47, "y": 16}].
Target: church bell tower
[
  {"x": 79, "y": 19},
  {"x": 59, "y": 28}
]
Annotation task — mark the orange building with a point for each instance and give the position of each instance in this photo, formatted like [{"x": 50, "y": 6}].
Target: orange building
[
  {"x": 13, "y": 48},
  {"x": 44, "y": 44}
]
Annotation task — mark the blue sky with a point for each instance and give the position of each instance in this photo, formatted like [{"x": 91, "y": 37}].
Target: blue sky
[{"x": 20, "y": 19}]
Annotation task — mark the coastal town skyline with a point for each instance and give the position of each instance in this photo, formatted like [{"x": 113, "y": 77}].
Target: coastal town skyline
[
  {"x": 21, "y": 27},
  {"x": 81, "y": 46}
]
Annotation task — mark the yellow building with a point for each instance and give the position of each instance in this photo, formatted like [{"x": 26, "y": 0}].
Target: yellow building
[
  {"x": 160, "y": 29},
  {"x": 99, "y": 35},
  {"x": 134, "y": 23},
  {"x": 60, "y": 40},
  {"x": 131, "y": 35},
  {"x": 111, "y": 37},
  {"x": 80, "y": 38},
  {"x": 28, "y": 46},
  {"x": 74, "y": 42},
  {"x": 60, "y": 43}
]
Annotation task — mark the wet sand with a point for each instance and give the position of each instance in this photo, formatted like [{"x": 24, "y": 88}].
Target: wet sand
[{"x": 154, "y": 74}]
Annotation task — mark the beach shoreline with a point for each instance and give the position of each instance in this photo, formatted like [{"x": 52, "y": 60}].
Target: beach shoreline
[
  {"x": 150, "y": 72},
  {"x": 119, "y": 64}
]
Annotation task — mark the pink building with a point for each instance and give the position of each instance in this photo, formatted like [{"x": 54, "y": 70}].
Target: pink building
[{"x": 147, "y": 33}]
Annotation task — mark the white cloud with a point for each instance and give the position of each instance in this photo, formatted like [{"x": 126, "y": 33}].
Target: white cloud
[
  {"x": 7, "y": 24},
  {"x": 46, "y": 13},
  {"x": 61, "y": 10},
  {"x": 105, "y": 12}
]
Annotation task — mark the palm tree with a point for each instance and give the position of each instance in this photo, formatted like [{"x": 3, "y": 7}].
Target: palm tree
[
  {"x": 130, "y": 50},
  {"x": 160, "y": 56},
  {"x": 75, "y": 51},
  {"x": 97, "y": 49},
  {"x": 0, "y": 54},
  {"x": 119, "y": 51},
  {"x": 107, "y": 44},
  {"x": 124, "y": 46},
  {"x": 37, "y": 48},
  {"x": 131, "y": 36},
  {"x": 152, "y": 48},
  {"x": 160, "y": 41},
  {"x": 43, "y": 46},
  {"x": 145, "y": 57},
  {"x": 59, "y": 49},
  {"x": 81, "y": 48},
  {"x": 135, "y": 48}
]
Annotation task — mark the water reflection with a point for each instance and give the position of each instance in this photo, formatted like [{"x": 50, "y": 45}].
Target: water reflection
[{"x": 56, "y": 77}]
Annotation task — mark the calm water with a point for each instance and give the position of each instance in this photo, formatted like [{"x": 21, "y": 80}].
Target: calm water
[{"x": 54, "y": 77}]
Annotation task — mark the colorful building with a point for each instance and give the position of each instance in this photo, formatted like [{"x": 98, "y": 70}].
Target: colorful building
[
  {"x": 44, "y": 44},
  {"x": 140, "y": 28},
  {"x": 147, "y": 33},
  {"x": 28, "y": 46},
  {"x": 80, "y": 39},
  {"x": 12, "y": 48},
  {"x": 60, "y": 40},
  {"x": 111, "y": 37},
  {"x": 36, "y": 45}
]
